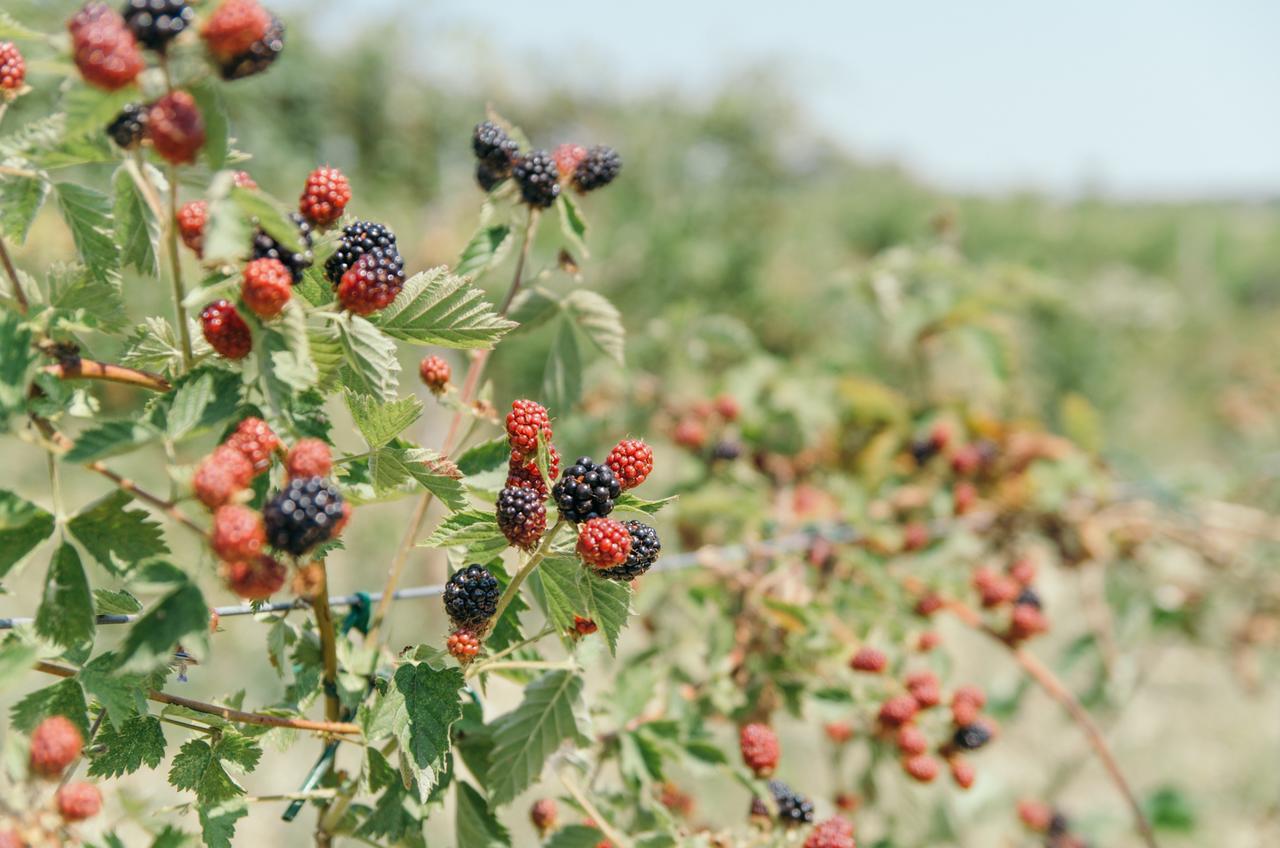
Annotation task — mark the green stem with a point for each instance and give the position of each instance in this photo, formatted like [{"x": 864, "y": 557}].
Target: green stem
[
  {"x": 18, "y": 294},
  {"x": 175, "y": 266},
  {"x": 513, "y": 588}
]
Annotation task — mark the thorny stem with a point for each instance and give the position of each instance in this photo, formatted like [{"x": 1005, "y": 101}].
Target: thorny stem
[
  {"x": 91, "y": 369},
  {"x": 328, "y": 646},
  {"x": 175, "y": 265},
  {"x": 470, "y": 384},
  {"x": 336, "y": 728},
  {"x": 602, "y": 824},
  {"x": 1057, "y": 690},
  {"x": 18, "y": 294}
]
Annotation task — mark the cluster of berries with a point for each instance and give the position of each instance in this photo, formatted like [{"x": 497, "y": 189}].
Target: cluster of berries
[
  {"x": 966, "y": 462},
  {"x": 539, "y": 174},
  {"x": 761, "y": 751},
  {"x": 308, "y": 510},
  {"x": 706, "y": 428},
  {"x": 13, "y": 70},
  {"x": 1039, "y": 817},
  {"x": 1013, "y": 589},
  {"x": 897, "y": 720},
  {"x": 366, "y": 270},
  {"x": 435, "y": 373},
  {"x": 56, "y": 744},
  {"x": 471, "y": 600},
  {"x": 242, "y": 38}
]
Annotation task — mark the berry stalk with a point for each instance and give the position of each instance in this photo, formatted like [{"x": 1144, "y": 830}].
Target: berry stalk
[
  {"x": 175, "y": 266},
  {"x": 328, "y": 643},
  {"x": 18, "y": 294},
  {"x": 91, "y": 369}
]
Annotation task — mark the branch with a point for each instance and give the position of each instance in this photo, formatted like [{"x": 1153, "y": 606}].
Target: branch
[
  {"x": 513, "y": 588},
  {"x": 175, "y": 266},
  {"x": 91, "y": 369},
  {"x": 601, "y": 823},
  {"x": 1057, "y": 690},
  {"x": 18, "y": 293},
  {"x": 328, "y": 646},
  {"x": 336, "y": 728}
]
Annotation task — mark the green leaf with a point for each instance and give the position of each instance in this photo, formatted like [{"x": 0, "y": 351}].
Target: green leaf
[
  {"x": 203, "y": 398},
  {"x": 486, "y": 248},
  {"x": 572, "y": 225},
  {"x": 16, "y": 358},
  {"x": 379, "y": 422},
  {"x": 181, "y": 616},
  {"x": 121, "y": 695},
  {"x": 390, "y": 819},
  {"x": 88, "y": 216},
  {"x": 270, "y": 216},
  {"x": 630, "y": 503},
  {"x": 89, "y": 109},
  {"x": 284, "y": 355},
  {"x": 137, "y": 742},
  {"x": 575, "y": 836},
  {"x": 153, "y": 346},
  {"x": 1170, "y": 809},
  {"x": 65, "y": 616},
  {"x": 572, "y": 590},
  {"x": 371, "y": 365},
  {"x": 439, "y": 308},
  {"x": 201, "y": 766},
  {"x": 227, "y": 231},
  {"x": 110, "y": 438},
  {"x": 115, "y": 602},
  {"x": 534, "y": 307},
  {"x": 87, "y": 299},
  {"x": 486, "y": 456},
  {"x": 390, "y": 466},
  {"x": 562, "y": 379},
  {"x": 137, "y": 232},
  {"x": 465, "y": 528},
  {"x": 17, "y": 655},
  {"x": 20, "y": 201},
  {"x": 430, "y": 707},
  {"x": 551, "y": 714},
  {"x": 116, "y": 537},
  {"x": 170, "y": 837},
  {"x": 218, "y": 824},
  {"x": 12, "y": 30},
  {"x": 64, "y": 698},
  {"x": 23, "y": 525},
  {"x": 477, "y": 827},
  {"x": 599, "y": 320},
  {"x": 208, "y": 95}
]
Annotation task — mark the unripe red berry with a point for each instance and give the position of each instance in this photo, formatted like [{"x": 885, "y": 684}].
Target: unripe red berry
[
  {"x": 964, "y": 497},
  {"x": 266, "y": 287},
  {"x": 567, "y": 158},
  {"x": 524, "y": 422},
  {"x": 79, "y": 801},
  {"x": 55, "y": 744},
  {"x": 256, "y": 579},
  {"x": 911, "y": 740},
  {"x": 972, "y": 694},
  {"x": 1023, "y": 571},
  {"x": 325, "y": 195},
  {"x": 727, "y": 408},
  {"x": 191, "y": 220},
  {"x": 544, "y": 815},
  {"x": 631, "y": 461},
  {"x": 254, "y": 438},
  {"x": 961, "y": 772},
  {"x": 234, "y": 26},
  {"x": 929, "y": 604},
  {"x": 238, "y": 533},
  {"x": 13, "y": 68},
  {"x": 760, "y": 750},
  {"x": 897, "y": 711},
  {"x": 833, "y": 833},
  {"x": 176, "y": 128},
  {"x": 241, "y": 179},
  {"x": 966, "y": 460},
  {"x": 690, "y": 433},
  {"x": 104, "y": 48},
  {"x": 869, "y": 660},
  {"x": 604, "y": 543},
  {"x": 928, "y": 640},
  {"x": 225, "y": 331},
  {"x": 584, "y": 626},
  {"x": 838, "y": 732},
  {"x": 964, "y": 713},
  {"x": 10, "y": 838},
  {"x": 921, "y": 767},
  {"x": 221, "y": 476},
  {"x": 914, "y": 536},
  {"x": 463, "y": 645},
  {"x": 1025, "y": 622},
  {"x": 926, "y": 690},
  {"x": 1035, "y": 815},
  {"x": 308, "y": 458},
  {"x": 435, "y": 373}
]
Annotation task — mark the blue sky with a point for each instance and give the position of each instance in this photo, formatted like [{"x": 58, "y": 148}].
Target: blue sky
[{"x": 1135, "y": 98}]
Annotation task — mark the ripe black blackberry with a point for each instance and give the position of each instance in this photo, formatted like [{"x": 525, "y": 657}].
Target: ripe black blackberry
[
  {"x": 128, "y": 128},
  {"x": 522, "y": 517},
  {"x": 157, "y": 22},
  {"x": 357, "y": 240},
  {"x": 265, "y": 247},
  {"x": 471, "y": 597},
  {"x": 971, "y": 737},
  {"x": 645, "y": 547},
  {"x": 538, "y": 178},
  {"x": 793, "y": 808},
  {"x": 1029, "y": 597},
  {"x": 585, "y": 491},
  {"x": 258, "y": 57},
  {"x": 488, "y": 178},
  {"x": 494, "y": 148},
  {"x": 598, "y": 169},
  {"x": 303, "y": 514}
]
